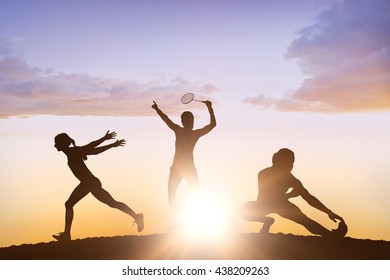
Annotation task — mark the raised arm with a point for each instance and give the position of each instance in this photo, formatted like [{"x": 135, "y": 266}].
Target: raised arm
[
  {"x": 213, "y": 122},
  {"x": 101, "y": 149},
  {"x": 164, "y": 117}
]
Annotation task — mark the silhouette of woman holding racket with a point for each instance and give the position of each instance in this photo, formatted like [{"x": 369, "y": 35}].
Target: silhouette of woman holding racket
[
  {"x": 88, "y": 182},
  {"x": 183, "y": 165}
]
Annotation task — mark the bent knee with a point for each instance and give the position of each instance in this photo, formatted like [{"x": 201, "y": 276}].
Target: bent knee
[
  {"x": 69, "y": 204},
  {"x": 251, "y": 211}
]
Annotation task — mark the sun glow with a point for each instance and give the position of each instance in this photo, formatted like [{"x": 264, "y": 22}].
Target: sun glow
[{"x": 205, "y": 215}]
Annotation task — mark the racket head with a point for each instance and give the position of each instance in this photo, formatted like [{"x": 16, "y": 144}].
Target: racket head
[{"x": 187, "y": 98}]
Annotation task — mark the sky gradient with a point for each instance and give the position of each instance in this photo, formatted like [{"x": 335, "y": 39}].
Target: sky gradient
[{"x": 312, "y": 76}]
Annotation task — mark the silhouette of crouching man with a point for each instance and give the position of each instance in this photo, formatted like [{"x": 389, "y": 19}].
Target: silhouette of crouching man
[{"x": 273, "y": 197}]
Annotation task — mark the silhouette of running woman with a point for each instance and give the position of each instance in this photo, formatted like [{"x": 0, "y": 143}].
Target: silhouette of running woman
[
  {"x": 88, "y": 182},
  {"x": 183, "y": 165},
  {"x": 274, "y": 184}
]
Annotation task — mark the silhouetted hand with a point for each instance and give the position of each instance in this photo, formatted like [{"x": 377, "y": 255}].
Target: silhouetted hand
[
  {"x": 208, "y": 103},
  {"x": 291, "y": 195},
  {"x": 154, "y": 106},
  {"x": 121, "y": 143},
  {"x": 334, "y": 217},
  {"x": 110, "y": 135}
]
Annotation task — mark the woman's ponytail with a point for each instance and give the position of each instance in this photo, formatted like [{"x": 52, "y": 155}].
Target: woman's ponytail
[
  {"x": 64, "y": 138},
  {"x": 74, "y": 145}
]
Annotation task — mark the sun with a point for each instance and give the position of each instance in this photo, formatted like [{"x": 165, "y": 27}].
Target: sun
[{"x": 205, "y": 215}]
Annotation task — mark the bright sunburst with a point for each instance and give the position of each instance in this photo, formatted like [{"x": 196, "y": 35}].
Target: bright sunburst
[{"x": 205, "y": 215}]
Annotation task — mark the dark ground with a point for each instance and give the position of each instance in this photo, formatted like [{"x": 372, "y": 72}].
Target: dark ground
[{"x": 174, "y": 247}]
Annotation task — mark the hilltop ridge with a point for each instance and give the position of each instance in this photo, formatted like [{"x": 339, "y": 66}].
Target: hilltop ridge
[{"x": 169, "y": 246}]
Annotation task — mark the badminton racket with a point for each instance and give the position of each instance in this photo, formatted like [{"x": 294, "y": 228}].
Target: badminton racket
[{"x": 188, "y": 97}]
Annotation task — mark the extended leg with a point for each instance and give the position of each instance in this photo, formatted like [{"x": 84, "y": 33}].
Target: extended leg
[
  {"x": 103, "y": 196},
  {"x": 292, "y": 212}
]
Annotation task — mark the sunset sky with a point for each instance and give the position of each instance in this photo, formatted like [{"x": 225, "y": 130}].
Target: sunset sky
[{"x": 312, "y": 76}]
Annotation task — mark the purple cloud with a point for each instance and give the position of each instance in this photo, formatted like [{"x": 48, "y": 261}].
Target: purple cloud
[
  {"x": 346, "y": 53},
  {"x": 26, "y": 91}
]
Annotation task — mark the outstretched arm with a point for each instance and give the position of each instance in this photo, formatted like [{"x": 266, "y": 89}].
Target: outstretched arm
[
  {"x": 164, "y": 117},
  {"x": 109, "y": 135},
  {"x": 101, "y": 149},
  {"x": 213, "y": 122},
  {"x": 312, "y": 200}
]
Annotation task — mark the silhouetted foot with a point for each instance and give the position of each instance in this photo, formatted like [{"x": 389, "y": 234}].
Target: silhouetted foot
[
  {"x": 341, "y": 230},
  {"x": 62, "y": 236},
  {"x": 139, "y": 220},
  {"x": 267, "y": 224}
]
